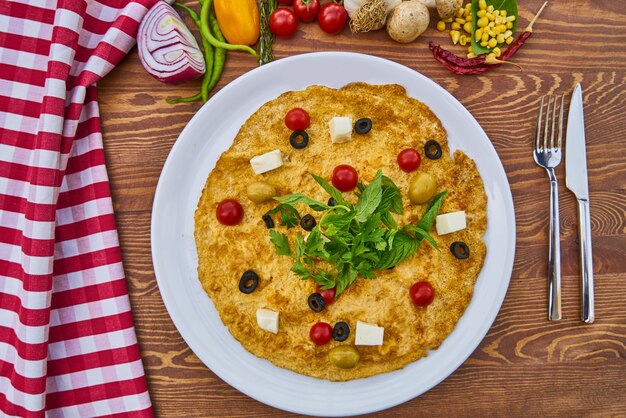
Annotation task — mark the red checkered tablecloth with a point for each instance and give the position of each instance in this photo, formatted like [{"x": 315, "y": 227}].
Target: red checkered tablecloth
[{"x": 67, "y": 341}]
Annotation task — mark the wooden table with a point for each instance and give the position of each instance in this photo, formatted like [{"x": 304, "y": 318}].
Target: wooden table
[{"x": 525, "y": 365}]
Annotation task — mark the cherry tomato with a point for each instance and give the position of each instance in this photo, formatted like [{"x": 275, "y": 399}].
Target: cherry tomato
[
  {"x": 229, "y": 212},
  {"x": 422, "y": 293},
  {"x": 283, "y": 22},
  {"x": 328, "y": 294},
  {"x": 332, "y": 18},
  {"x": 297, "y": 119},
  {"x": 321, "y": 333},
  {"x": 306, "y": 10},
  {"x": 345, "y": 177},
  {"x": 409, "y": 160}
]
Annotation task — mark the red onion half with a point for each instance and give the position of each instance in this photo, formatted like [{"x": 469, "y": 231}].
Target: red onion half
[{"x": 167, "y": 49}]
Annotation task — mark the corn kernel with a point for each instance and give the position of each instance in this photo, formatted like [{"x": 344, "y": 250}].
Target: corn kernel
[
  {"x": 468, "y": 6},
  {"x": 491, "y": 34},
  {"x": 491, "y": 17},
  {"x": 459, "y": 12},
  {"x": 467, "y": 14},
  {"x": 468, "y": 27},
  {"x": 491, "y": 55},
  {"x": 508, "y": 34},
  {"x": 478, "y": 34},
  {"x": 496, "y": 31},
  {"x": 490, "y": 9},
  {"x": 503, "y": 13},
  {"x": 509, "y": 40},
  {"x": 497, "y": 52},
  {"x": 496, "y": 13},
  {"x": 448, "y": 20},
  {"x": 471, "y": 55},
  {"x": 500, "y": 38},
  {"x": 455, "y": 35},
  {"x": 455, "y": 26},
  {"x": 492, "y": 43},
  {"x": 469, "y": 49},
  {"x": 492, "y": 24},
  {"x": 498, "y": 20},
  {"x": 484, "y": 44},
  {"x": 484, "y": 37},
  {"x": 481, "y": 13},
  {"x": 510, "y": 18},
  {"x": 463, "y": 40},
  {"x": 482, "y": 4},
  {"x": 482, "y": 22},
  {"x": 460, "y": 21},
  {"x": 509, "y": 25},
  {"x": 441, "y": 26}
]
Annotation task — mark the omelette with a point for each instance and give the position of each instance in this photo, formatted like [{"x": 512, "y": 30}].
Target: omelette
[{"x": 271, "y": 316}]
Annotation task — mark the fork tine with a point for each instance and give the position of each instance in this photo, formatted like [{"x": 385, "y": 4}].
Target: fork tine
[
  {"x": 554, "y": 122},
  {"x": 539, "y": 119},
  {"x": 546, "y": 129},
  {"x": 560, "y": 140}
]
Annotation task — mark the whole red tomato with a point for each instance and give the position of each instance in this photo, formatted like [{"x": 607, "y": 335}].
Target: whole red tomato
[
  {"x": 229, "y": 212},
  {"x": 321, "y": 333},
  {"x": 422, "y": 293},
  {"x": 297, "y": 119},
  {"x": 332, "y": 18},
  {"x": 345, "y": 177},
  {"x": 283, "y": 22},
  {"x": 409, "y": 160},
  {"x": 306, "y": 10}
]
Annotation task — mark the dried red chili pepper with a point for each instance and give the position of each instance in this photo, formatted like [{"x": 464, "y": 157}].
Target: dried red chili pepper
[{"x": 479, "y": 65}]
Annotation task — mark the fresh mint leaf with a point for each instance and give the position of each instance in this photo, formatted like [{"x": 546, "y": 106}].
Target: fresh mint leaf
[
  {"x": 335, "y": 194},
  {"x": 392, "y": 197},
  {"x": 421, "y": 234},
  {"x": 289, "y": 216},
  {"x": 404, "y": 246},
  {"x": 428, "y": 218},
  {"x": 388, "y": 219},
  {"x": 370, "y": 199},
  {"x": 299, "y": 198},
  {"x": 281, "y": 242}
]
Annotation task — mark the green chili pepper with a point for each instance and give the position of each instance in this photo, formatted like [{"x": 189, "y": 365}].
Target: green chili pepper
[
  {"x": 220, "y": 59},
  {"x": 206, "y": 33}
]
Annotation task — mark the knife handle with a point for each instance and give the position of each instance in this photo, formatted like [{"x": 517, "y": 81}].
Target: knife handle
[
  {"x": 586, "y": 261},
  {"x": 554, "y": 256}
]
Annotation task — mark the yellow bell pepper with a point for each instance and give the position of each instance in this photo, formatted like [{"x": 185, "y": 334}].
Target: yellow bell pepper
[{"x": 238, "y": 20}]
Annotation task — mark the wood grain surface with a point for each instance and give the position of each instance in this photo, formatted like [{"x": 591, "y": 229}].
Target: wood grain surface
[{"x": 526, "y": 365}]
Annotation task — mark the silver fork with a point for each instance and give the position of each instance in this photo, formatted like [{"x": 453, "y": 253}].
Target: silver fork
[{"x": 547, "y": 153}]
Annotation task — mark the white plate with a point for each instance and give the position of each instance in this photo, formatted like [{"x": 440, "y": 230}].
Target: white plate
[{"x": 210, "y": 132}]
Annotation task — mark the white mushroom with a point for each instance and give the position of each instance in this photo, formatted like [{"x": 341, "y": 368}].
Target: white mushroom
[
  {"x": 445, "y": 8},
  {"x": 410, "y": 19}
]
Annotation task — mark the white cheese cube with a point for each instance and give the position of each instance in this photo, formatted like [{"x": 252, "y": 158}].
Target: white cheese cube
[
  {"x": 267, "y": 319},
  {"x": 368, "y": 334},
  {"x": 266, "y": 162},
  {"x": 450, "y": 222},
  {"x": 340, "y": 129}
]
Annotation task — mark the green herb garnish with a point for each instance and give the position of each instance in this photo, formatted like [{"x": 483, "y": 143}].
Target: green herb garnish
[{"x": 355, "y": 239}]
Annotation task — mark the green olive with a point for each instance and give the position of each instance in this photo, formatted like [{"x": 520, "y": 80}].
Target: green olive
[
  {"x": 260, "y": 191},
  {"x": 344, "y": 356},
  {"x": 422, "y": 188}
]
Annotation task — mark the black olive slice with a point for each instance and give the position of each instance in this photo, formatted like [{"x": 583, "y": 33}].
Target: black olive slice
[
  {"x": 341, "y": 331},
  {"x": 331, "y": 201},
  {"x": 269, "y": 222},
  {"x": 432, "y": 149},
  {"x": 363, "y": 126},
  {"x": 316, "y": 302},
  {"x": 460, "y": 250},
  {"x": 308, "y": 222},
  {"x": 299, "y": 139},
  {"x": 248, "y": 282}
]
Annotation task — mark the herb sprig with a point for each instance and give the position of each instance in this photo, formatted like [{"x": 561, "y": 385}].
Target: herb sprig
[{"x": 355, "y": 239}]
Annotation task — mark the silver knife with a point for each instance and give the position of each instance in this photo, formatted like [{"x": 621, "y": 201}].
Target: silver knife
[{"x": 576, "y": 180}]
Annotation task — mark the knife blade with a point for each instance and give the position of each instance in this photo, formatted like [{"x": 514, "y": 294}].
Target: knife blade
[{"x": 577, "y": 182}]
